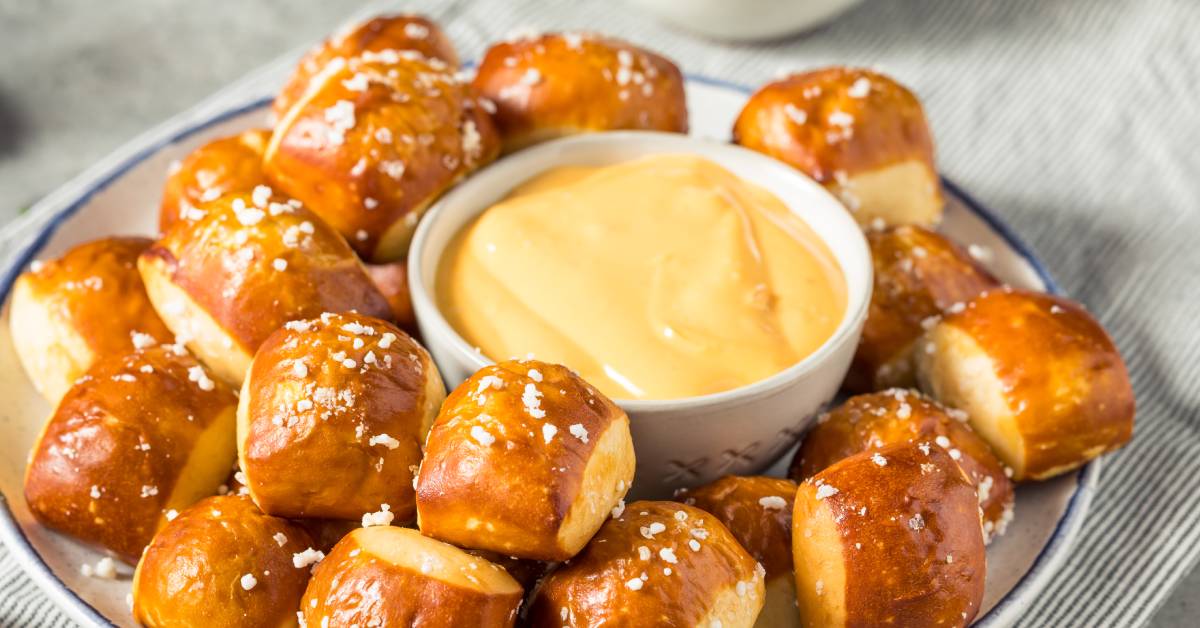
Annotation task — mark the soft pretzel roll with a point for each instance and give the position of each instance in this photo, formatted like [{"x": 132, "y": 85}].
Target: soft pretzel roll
[
  {"x": 67, "y": 312},
  {"x": 137, "y": 436},
  {"x": 374, "y": 140},
  {"x": 526, "y": 572},
  {"x": 889, "y": 538},
  {"x": 1039, "y": 378},
  {"x": 392, "y": 281},
  {"x": 919, "y": 275},
  {"x": 757, "y": 510},
  {"x": 556, "y": 84},
  {"x": 384, "y": 32},
  {"x": 221, "y": 562},
  {"x": 659, "y": 564},
  {"x": 389, "y": 576},
  {"x": 326, "y": 533},
  {"x": 869, "y": 422},
  {"x": 525, "y": 459},
  {"x": 857, "y": 132},
  {"x": 251, "y": 263},
  {"x": 332, "y": 417},
  {"x": 227, "y": 165}
]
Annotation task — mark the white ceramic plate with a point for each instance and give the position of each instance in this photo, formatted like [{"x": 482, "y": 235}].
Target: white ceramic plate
[{"x": 123, "y": 199}]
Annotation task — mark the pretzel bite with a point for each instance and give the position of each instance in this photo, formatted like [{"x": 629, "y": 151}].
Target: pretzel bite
[
  {"x": 65, "y": 313},
  {"x": 556, "y": 84},
  {"x": 656, "y": 563},
  {"x": 139, "y": 435},
  {"x": 251, "y": 263},
  {"x": 869, "y": 422},
  {"x": 332, "y": 417},
  {"x": 385, "y": 32},
  {"x": 758, "y": 512},
  {"x": 389, "y": 576},
  {"x": 889, "y": 538},
  {"x": 919, "y": 275},
  {"x": 374, "y": 140},
  {"x": 525, "y": 459},
  {"x": 228, "y": 165},
  {"x": 1039, "y": 378},
  {"x": 859, "y": 133},
  {"x": 221, "y": 562},
  {"x": 392, "y": 281}
]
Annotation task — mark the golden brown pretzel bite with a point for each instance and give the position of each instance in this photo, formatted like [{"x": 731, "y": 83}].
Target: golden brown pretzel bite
[
  {"x": 375, "y": 140},
  {"x": 221, "y": 562},
  {"x": 389, "y": 576},
  {"x": 919, "y": 275},
  {"x": 228, "y": 165},
  {"x": 1039, "y": 378},
  {"x": 392, "y": 281},
  {"x": 525, "y": 459},
  {"x": 857, "y": 132},
  {"x": 385, "y": 32},
  {"x": 889, "y": 538},
  {"x": 227, "y": 280},
  {"x": 656, "y": 563},
  {"x": 557, "y": 84},
  {"x": 758, "y": 512},
  {"x": 88, "y": 303},
  {"x": 869, "y": 422},
  {"x": 332, "y": 417},
  {"x": 139, "y": 435}
]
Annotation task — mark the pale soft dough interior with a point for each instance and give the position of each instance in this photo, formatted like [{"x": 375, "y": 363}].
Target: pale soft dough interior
[
  {"x": 219, "y": 351},
  {"x": 960, "y": 374},
  {"x": 207, "y": 466},
  {"x": 730, "y": 610},
  {"x": 606, "y": 477},
  {"x": 53, "y": 354},
  {"x": 820, "y": 560},
  {"x": 902, "y": 193},
  {"x": 779, "y": 610},
  {"x": 415, "y": 552}
]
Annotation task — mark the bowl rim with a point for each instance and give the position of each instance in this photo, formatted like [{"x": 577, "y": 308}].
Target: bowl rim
[{"x": 766, "y": 168}]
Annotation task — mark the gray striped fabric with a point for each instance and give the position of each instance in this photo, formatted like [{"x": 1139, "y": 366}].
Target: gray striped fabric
[{"x": 1079, "y": 123}]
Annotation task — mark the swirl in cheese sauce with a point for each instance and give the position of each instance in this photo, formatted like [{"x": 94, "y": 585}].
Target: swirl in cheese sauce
[{"x": 657, "y": 278}]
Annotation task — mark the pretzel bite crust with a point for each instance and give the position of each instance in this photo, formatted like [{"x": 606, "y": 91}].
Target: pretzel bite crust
[
  {"x": 388, "y": 576},
  {"x": 227, "y": 280},
  {"x": 228, "y": 165},
  {"x": 384, "y": 32},
  {"x": 137, "y": 436},
  {"x": 525, "y": 459},
  {"x": 870, "y": 422},
  {"x": 890, "y": 537},
  {"x": 919, "y": 275},
  {"x": 757, "y": 510},
  {"x": 332, "y": 417},
  {"x": 374, "y": 140},
  {"x": 65, "y": 313},
  {"x": 859, "y": 133},
  {"x": 1039, "y": 378},
  {"x": 221, "y": 562},
  {"x": 392, "y": 281},
  {"x": 557, "y": 84},
  {"x": 654, "y": 564}
]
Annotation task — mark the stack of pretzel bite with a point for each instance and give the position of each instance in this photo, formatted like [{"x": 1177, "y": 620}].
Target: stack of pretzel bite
[{"x": 243, "y": 416}]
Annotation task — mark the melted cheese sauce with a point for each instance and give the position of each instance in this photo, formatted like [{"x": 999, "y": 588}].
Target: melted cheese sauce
[{"x": 658, "y": 278}]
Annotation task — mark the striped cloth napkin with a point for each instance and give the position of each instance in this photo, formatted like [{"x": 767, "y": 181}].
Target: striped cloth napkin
[{"x": 1078, "y": 123}]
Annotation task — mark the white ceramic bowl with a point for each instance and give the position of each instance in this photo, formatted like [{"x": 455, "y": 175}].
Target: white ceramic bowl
[
  {"x": 679, "y": 442},
  {"x": 745, "y": 20}
]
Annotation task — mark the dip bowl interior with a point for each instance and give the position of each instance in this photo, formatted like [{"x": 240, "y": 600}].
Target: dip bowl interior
[{"x": 692, "y": 440}]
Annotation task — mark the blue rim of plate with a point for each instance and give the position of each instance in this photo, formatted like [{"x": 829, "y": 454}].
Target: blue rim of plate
[{"x": 1048, "y": 559}]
